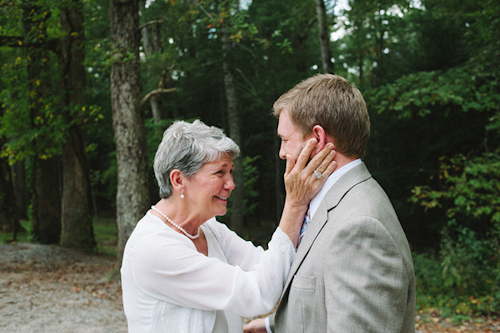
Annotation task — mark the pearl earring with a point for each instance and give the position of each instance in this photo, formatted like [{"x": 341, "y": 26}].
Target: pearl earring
[{"x": 182, "y": 195}]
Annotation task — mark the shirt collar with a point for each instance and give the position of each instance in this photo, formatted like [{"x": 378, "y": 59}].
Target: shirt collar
[{"x": 314, "y": 204}]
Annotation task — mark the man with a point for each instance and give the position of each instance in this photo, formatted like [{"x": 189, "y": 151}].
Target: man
[{"x": 353, "y": 270}]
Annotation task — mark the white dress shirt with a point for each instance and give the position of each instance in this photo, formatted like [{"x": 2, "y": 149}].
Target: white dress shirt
[
  {"x": 168, "y": 286},
  {"x": 314, "y": 204}
]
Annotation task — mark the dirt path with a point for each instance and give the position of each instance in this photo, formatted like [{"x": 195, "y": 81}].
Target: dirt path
[{"x": 50, "y": 289}]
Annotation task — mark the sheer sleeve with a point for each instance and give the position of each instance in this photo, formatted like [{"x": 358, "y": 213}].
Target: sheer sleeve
[
  {"x": 240, "y": 252},
  {"x": 166, "y": 265}
]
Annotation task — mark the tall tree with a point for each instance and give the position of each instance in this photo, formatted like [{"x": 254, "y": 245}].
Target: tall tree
[
  {"x": 9, "y": 217},
  {"x": 324, "y": 37},
  {"x": 132, "y": 199},
  {"x": 369, "y": 48},
  {"x": 56, "y": 100},
  {"x": 237, "y": 195},
  {"x": 46, "y": 168},
  {"x": 77, "y": 228},
  {"x": 151, "y": 42}
]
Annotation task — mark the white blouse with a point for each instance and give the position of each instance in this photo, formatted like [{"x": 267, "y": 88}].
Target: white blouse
[{"x": 168, "y": 286}]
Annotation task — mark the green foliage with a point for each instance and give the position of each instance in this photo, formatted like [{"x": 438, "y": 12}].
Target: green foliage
[
  {"x": 463, "y": 187},
  {"x": 469, "y": 263},
  {"x": 471, "y": 187},
  {"x": 34, "y": 119},
  {"x": 369, "y": 50},
  {"x": 463, "y": 89},
  {"x": 455, "y": 303}
]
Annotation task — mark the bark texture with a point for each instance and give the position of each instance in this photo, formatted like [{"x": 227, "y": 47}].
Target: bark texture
[
  {"x": 151, "y": 42},
  {"x": 77, "y": 228},
  {"x": 21, "y": 192},
  {"x": 237, "y": 196},
  {"x": 324, "y": 37},
  {"x": 46, "y": 170},
  {"x": 9, "y": 218},
  {"x": 132, "y": 199}
]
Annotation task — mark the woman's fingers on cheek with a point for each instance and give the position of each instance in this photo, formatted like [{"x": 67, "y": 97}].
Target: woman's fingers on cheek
[{"x": 328, "y": 160}]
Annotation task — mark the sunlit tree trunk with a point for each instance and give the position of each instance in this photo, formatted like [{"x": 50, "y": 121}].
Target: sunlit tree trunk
[{"x": 132, "y": 199}]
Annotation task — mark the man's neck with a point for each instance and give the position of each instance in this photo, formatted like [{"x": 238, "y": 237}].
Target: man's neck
[
  {"x": 336, "y": 175},
  {"x": 342, "y": 160}
]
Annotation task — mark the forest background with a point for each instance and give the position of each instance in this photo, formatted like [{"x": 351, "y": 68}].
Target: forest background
[{"x": 88, "y": 86}]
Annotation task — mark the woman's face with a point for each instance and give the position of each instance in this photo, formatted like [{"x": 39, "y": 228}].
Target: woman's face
[{"x": 209, "y": 189}]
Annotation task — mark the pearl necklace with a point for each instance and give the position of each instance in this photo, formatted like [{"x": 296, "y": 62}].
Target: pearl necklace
[{"x": 176, "y": 225}]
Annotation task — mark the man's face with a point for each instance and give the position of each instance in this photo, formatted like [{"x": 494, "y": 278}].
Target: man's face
[{"x": 292, "y": 141}]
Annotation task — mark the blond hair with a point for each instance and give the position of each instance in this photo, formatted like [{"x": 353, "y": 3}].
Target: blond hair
[{"x": 333, "y": 103}]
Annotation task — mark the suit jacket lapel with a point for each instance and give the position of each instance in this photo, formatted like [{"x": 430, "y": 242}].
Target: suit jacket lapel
[{"x": 353, "y": 177}]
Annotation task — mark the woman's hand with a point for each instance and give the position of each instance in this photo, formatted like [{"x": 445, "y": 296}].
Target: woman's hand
[
  {"x": 255, "y": 326},
  {"x": 304, "y": 180}
]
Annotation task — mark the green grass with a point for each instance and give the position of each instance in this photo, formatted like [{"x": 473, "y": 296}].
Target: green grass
[
  {"x": 104, "y": 233},
  {"x": 24, "y": 237},
  {"x": 105, "y": 236}
]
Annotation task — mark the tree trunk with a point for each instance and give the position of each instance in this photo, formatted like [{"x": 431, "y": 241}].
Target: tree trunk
[
  {"x": 132, "y": 199},
  {"x": 151, "y": 44},
  {"x": 46, "y": 192},
  {"x": 18, "y": 172},
  {"x": 46, "y": 201},
  {"x": 77, "y": 228},
  {"x": 237, "y": 196},
  {"x": 324, "y": 37},
  {"x": 9, "y": 217}
]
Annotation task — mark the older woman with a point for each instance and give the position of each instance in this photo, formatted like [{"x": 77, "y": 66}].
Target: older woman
[{"x": 182, "y": 270}]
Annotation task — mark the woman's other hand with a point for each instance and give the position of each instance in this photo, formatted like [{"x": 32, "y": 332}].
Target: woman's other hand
[{"x": 255, "y": 326}]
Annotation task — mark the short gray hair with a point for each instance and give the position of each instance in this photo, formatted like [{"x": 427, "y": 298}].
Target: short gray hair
[{"x": 186, "y": 147}]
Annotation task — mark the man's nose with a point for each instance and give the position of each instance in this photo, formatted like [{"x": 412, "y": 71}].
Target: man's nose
[{"x": 282, "y": 153}]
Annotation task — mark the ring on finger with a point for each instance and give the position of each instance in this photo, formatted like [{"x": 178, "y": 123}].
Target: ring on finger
[{"x": 318, "y": 174}]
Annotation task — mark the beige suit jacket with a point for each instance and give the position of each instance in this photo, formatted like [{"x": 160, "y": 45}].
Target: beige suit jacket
[{"x": 353, "y": 271}]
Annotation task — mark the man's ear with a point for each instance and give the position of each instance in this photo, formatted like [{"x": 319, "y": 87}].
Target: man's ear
[{"x": 319, "y": 134}]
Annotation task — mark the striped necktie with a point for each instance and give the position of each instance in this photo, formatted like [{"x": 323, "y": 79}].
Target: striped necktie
[{"x": 305, "y": 224}]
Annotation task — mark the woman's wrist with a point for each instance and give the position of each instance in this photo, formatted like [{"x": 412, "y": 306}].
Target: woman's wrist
[
  {"x": 296, "y": 207},
  {"x": 292, "y": 219}
]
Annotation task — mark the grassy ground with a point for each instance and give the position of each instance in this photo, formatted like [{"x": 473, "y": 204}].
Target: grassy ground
[
  {"x": 104, "y": 232},
  {"x": 21, "y": 237},
  {"x": 106, "y": 235}
]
